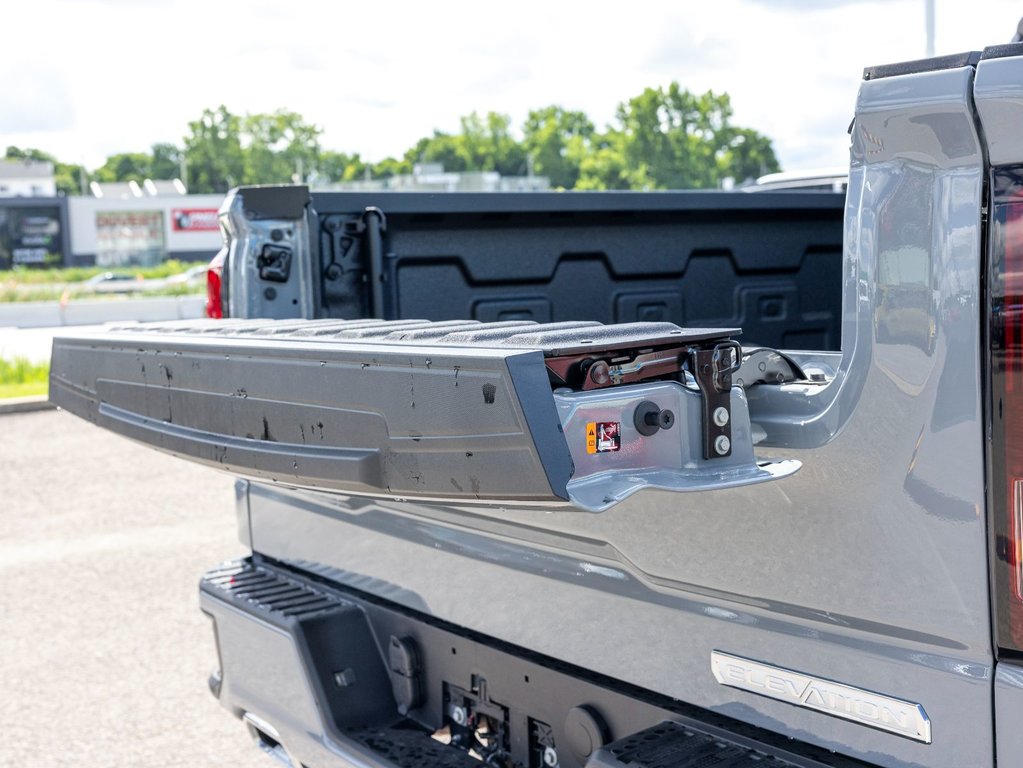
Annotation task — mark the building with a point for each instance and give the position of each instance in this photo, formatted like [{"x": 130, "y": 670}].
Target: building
[
  {"x": 114, "y": 231},
  {"x": 20, "y": 178},
  {"x": 431, "y": 177},
  {"x": 33, "y": 231}
]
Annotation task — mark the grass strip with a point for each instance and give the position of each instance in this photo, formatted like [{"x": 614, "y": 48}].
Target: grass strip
[
  {"x": 26, "y": 389},
  {"x": 36, "y": 276}
]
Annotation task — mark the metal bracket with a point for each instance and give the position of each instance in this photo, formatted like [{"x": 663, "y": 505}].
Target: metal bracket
[
  {"x": 344, "y": 234},
  {"x": 274, "y": 263},
  {"x": 713, "y": 368}
]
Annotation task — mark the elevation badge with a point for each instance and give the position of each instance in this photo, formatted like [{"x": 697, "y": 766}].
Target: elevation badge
[{"x": 889, "y": 714}]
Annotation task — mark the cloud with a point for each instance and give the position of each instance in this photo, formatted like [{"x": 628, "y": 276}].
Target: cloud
[
  {"x": 36, "y": 100},
  {"x": 811, "y": 6}
]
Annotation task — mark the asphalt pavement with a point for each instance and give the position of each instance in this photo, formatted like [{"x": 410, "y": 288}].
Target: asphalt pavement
[{"x": 104, "y": 654}]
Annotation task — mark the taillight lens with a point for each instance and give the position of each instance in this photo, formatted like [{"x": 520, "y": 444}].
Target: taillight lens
[
  {"x": 214, "y": 297},
  {"x": 1006, "y": 340}
]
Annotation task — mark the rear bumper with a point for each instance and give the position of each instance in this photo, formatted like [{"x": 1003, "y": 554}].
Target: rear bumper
[{"x": 323, "y": 676}]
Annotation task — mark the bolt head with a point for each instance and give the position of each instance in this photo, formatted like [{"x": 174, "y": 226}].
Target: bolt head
[
  {"x": 458, "y": 714},
  {"x": 721, "y": 416},
  {"x": 666, "y": 419},
  {"x": 600, "y": 373},
  {"x": 550, "y": 757},
  {"x": 722, "y": 445}
]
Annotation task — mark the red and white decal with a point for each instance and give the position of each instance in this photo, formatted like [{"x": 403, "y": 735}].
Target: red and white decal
[{"x": 194, "y": 219}]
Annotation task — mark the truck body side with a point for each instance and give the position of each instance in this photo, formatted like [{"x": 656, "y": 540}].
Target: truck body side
[{"x": 857, "y": 612}]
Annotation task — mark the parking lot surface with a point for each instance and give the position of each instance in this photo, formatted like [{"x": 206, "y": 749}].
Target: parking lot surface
[{"x": 104, "y": 654}]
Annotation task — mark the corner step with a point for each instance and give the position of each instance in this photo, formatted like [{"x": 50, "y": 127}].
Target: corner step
[{"x": 672, "y": 745}]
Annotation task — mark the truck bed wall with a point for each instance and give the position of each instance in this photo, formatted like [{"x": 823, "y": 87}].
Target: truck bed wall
[{"x": 768, "y": 263}]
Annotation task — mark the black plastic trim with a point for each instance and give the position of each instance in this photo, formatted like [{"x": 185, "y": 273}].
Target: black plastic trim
[
  {"x": 283, "y": 201},
  {"x": 1004, "y": 51},
  {"x": 531, "y": 388},
  {"x": 557, "y": 204},
  {"x": 952, "y": 61}
]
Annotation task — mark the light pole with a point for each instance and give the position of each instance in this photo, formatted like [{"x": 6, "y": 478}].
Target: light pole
[{"x": 929, "y": 23}]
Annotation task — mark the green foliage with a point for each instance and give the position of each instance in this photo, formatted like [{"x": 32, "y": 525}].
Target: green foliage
[
  {"x": 662, "y": 138},
  {"x": 34, "y": 276},
  {"x": 338, "y": 166},
  {"x": 165, "y": 162},
  {"x": 482, "y": 144},
  {"x": 28, "y": 155},
  {"x": 23, "y": 390},
  {"x": 213, "y": 152},
  {"x": 21, "y": 377},
  {"x": 125, "y": 166},
  {"x": 21, "y": 370},
  {"x": 390, "y": 167},
  {"x": 747, "y": 156},
  {"x": 558, "y": 141},
  {"x": 31, "y": 284},
  {"x": 67, "y": 176},
  {"x": 70, "y": 178},
  {"x": 606, "y": 167},
  {"x": 280, "y": 147}
]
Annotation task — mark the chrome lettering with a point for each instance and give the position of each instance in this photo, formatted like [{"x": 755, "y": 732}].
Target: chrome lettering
[{"x": 838, "y": 699}]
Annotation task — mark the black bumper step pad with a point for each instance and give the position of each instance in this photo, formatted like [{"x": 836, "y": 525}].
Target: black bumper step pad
[
  {"x": 411, "y": 748},
  {"x": 265, "y": 591},
  {"x": 672, "y": 745}
]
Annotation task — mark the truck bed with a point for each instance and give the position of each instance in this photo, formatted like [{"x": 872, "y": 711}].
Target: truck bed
[{"x": 768, "y": 263}]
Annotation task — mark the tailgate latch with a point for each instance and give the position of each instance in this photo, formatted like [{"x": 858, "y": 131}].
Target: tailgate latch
[{"x": 713, "y": 369}]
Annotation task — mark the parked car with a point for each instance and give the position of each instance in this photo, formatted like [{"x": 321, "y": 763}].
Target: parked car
[
  {"x": 191, "y": 277},
  {"x": 113, "y": 282}
]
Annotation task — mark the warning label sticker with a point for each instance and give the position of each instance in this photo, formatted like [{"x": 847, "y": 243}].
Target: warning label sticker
[{"x": 603, "y": 436}]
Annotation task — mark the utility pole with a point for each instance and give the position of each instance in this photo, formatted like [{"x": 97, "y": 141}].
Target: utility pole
[{"x": 929, "y": 23}]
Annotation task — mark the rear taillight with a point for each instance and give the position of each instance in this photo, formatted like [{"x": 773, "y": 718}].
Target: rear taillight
[
  {"x": 214, "y": 296},
  {"x": 1006, "y": 340}
]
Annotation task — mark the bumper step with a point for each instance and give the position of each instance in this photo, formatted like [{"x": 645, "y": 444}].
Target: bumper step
[
  {"x": 268, "y": 592},
  {"x": 339, "y": 678},
  {"x": 672, "y": 745}
]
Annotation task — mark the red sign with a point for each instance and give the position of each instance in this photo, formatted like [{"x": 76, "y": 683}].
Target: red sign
[{"x": 194, "y": 219}]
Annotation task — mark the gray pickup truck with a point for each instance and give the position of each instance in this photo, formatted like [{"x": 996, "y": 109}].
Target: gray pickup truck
[{"x": 518, "y": 492}]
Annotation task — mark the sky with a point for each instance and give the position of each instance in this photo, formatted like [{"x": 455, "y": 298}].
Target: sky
[{"x": 83, "y": 79}]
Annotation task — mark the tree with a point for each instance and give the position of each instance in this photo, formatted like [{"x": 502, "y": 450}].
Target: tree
[
  {"x": 125, "y": 166},
  {"x": 557, "y": 141},
  {"x": 281, "y": 147},
  {"x": 68, "y": 177},
  {"x": 748, "y": 156},
  {"x": 338, "y": 166},
  {"x": 663, "y": 138},
  {"x": 605, "y": 166},
  {"x": 488, "y": 145},
  {"x": 482, "y": 144},
  {"x": 213, "y": 151},
  {"x": 28, "y": 155},
  {"x": 441, "y": 148},
  {"x": 671, "y": 138},
  {"x": 166, "y": 161},
  {"x": 390, "y": 166}
]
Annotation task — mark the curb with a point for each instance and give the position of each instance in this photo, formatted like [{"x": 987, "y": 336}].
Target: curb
[{"x": 25, "y": 404}]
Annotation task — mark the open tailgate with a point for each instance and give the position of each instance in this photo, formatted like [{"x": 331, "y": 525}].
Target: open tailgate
[{"x": 453, "y": 410}]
